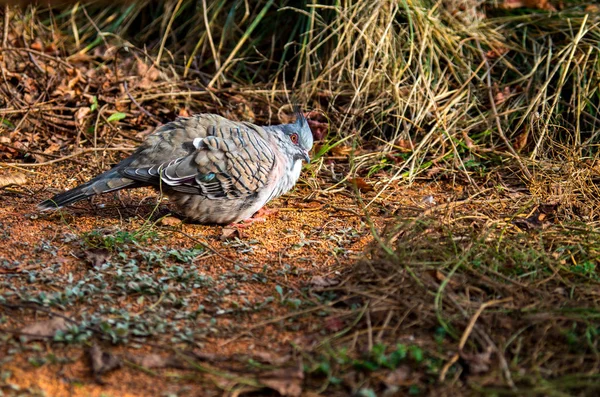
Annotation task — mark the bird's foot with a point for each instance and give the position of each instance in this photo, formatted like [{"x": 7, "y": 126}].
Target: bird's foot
[{"x": 259, "y": 216}]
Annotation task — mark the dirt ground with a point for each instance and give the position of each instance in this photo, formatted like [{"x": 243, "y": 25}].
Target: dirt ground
[{"x": 264, "y": 303}]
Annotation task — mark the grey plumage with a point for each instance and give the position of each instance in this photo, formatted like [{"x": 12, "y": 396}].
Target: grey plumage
[{"x": 216, "y": 170}]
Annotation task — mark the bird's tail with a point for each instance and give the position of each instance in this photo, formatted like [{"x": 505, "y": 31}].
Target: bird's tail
[{"x": 109, "y": 181}]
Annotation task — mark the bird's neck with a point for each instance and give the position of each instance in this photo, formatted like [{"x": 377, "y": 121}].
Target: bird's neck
[{"x": 290, "y": 167}]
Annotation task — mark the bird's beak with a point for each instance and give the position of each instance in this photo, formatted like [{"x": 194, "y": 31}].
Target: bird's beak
[{"x": 306, "y": 156}]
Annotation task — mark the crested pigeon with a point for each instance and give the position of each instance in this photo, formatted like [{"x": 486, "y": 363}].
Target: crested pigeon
[{"x": 216, "y": 170}]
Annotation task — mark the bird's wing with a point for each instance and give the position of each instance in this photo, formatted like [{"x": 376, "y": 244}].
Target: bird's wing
[{"x": 223, "y": 159}]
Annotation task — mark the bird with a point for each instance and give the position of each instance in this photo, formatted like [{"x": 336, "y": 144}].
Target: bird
[{"x": 216, "y": 171}]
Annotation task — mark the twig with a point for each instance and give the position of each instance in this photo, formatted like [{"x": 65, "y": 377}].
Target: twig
[
  {"x": 84, "y": 151},
  {"x": 502, "y": 360},
  {"x": 136, "y": 103}
]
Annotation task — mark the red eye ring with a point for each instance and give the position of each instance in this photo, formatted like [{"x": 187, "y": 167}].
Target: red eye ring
[{"x": 294, "y": 138}]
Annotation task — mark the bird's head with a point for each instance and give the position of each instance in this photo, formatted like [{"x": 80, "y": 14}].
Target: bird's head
[{"x": 300, "y": 136}]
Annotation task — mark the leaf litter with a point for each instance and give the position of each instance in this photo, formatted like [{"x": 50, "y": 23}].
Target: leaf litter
[{"x": 42, "y": 330}]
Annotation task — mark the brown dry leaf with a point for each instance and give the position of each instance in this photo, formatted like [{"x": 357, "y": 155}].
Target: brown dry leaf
[
  {"x": 592, "y": 9},
  {"x": 80, "y": 58},
  {"x": 229, "y": 233},
  {"x": 361, "y": 184},
  {"x": 478, "y": 363},
  {"x": 496, "y": 52},
  {"x": 468, "y": 141},
  {"x": 37, "y": 45},
  {"x": 78, "y": 77},
  {"x": 323, "y": 282},
  {"x": 520, "y": 141},
  {"x": 103, "y": 362},
  {"x": 243, "y": 107},
  {"x": 539, "y": 4},
  {"x": 52, "y": 47},
  {"x": 271, "y": 358},
  {"x": 334, "y": 324},
  {"x": 81, "y": 113},
  {"x": 548, "y": 209},
  {"x": 532, "y": 222},
  {"x": 319, "y": 129},
  {"x": 157, "y": 361},
  {"x": 170, "y": 221},
  {"x": 12, "y": 179},
  {"x": 149, "y": 74},
  {"x": 441, "y": 277},
  {"x": 53, "y": 148},
  {"x": 501, "y": 96},
  {"x": 398, "y": 377},
  {"x": 341, "y": 150},
  {"x": 285, "y": 381},
  {"x": 404, "y": 145},
  {"x": 43, "y": 329},
  {"x": 96, "y": 257}
]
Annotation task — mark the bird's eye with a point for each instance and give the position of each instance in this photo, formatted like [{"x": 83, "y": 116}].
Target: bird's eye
[{"x": 294, "y": 138}]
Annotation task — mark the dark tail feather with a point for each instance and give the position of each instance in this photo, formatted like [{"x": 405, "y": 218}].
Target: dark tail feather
[{"x": 107, "y": 182}]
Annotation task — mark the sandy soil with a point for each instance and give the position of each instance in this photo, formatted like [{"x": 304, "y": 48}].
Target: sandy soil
[{"x": 307, "y": 244}]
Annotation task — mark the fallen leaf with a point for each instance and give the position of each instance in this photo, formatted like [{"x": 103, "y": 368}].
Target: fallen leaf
[
  {"x": 478, "y": 363},
  {"x": 271, "y": 358},
  {"x": 404, "y": 145},
  {"x": 539, "y": 4},
  {"x": 592, "y": 9},
  {"x": 502, "y": 95},
  {"x": 520, "y": 141},
  {"x": 243, "y": 107},
  {"x": 170, "y": 221},
  {"x": 81, "y": 113},
  {"x": 12, "y": 179},
  {"x": 496, "y": 52},
  {"x": 229, "y": 233},
  {"x": 320, "y": 281},
  {"x": 341, "y": 150},
  {"x": 157, "y": 361},
  {"x": 361, "y": 184},
  {"x": 398, "y": 377},
  {"x": 102, "y": 362},
  {"x": 285, "y": 381},
  {"x": 37, "y": 45},
  {"x": 97, "y": 257},
  {"x": 43, "y": 329},
  {"x": 334, "y": 324},
  {"x": 548, "y": 208},
  {"x": 468, "y": 141},
  {"x": 72, "y": 82},
  {"x": 532, "y": 222},
  {"x": 441, "y": 277},
  {"x": 319, "y": 129}
]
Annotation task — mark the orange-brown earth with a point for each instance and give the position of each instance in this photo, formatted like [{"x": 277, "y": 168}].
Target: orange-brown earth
[{"x": 262, "y": 294}]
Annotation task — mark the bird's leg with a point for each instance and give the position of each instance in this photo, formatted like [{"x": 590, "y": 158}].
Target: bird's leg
[{"x": 259, "y": 216}]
